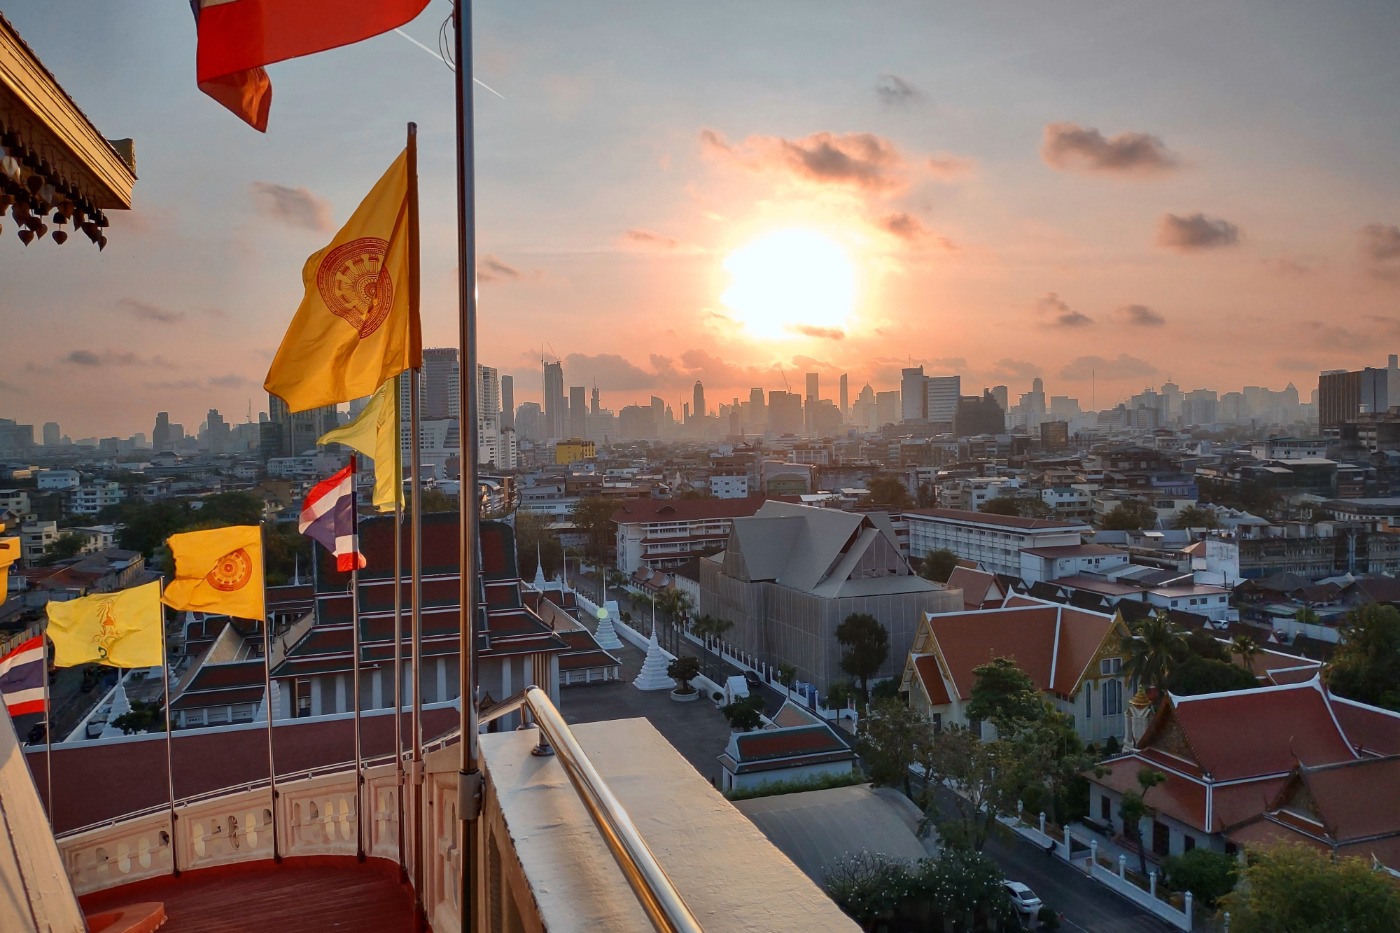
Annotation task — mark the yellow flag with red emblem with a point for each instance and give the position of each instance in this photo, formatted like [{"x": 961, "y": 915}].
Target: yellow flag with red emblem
[
  {"x": 357, "y": 325},
  {"x": 120, "y": 629},
  {"x": 218, "y": 571},
  {"x": 9, "y": 553}
]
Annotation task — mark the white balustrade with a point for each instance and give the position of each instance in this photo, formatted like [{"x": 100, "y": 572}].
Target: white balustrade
[
  {"x": 319, "y": 815},
  {"x": 109, "y": 856},
  {"x": 235, "y": 827}
]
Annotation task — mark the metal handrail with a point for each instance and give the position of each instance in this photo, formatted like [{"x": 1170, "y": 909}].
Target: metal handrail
[{"x": 655, "y": 892}]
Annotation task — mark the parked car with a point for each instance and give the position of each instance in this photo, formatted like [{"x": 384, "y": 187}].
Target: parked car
[
  {"x": 752, "y": 679},
  {"x": 1022, "y": 897}
]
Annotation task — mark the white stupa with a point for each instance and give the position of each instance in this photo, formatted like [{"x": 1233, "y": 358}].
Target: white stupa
[
  {"x": 120, "y": 707},
  {"x": 653, "y": 673},
  {"x": 605, "y": 634}
]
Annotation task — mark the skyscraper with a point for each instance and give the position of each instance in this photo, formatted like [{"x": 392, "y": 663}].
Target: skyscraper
[
  {"x": 943, "y": 394},
  {"x": 442, "y": 374},
  {"x": 758, "y": 413},
  {"x": 52, "y": 435},
  {"x": 913, "y": 395},
  {"x": 555, "y": 421},
  {"x": 697, "y": 409},
  {"x": 578, "y": 412},
  {"x": 810, "y": 406},
  {"x": 845, "y": 395},
  {"x": 597, "y": 408},
  {"x": 160, "y": 434},
  {"x": 507, "y": 403}
]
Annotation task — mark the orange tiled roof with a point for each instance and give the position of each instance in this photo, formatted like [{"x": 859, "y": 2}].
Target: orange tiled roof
[{"x": 926, "y": 666}]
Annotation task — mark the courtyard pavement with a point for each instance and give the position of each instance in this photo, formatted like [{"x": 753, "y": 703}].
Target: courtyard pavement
[{"x": 697, "y": 730}]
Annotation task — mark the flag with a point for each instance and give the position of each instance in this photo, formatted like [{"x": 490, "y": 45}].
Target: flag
[
  {"x": 375, "y": 433},
  {"x": 355, "y": 327},
  {"x": 9, "y": 553},
  {"x": 22, "y": 674},
  {"x": 219, "y": 570},
  {"x": 238, "y": 37},
  {"x": 328, "y": 517},
  {"x": 121, "y": 629}
]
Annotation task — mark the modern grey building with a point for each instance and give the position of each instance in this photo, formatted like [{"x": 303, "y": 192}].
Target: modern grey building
[{"x": 790, "y": 574}]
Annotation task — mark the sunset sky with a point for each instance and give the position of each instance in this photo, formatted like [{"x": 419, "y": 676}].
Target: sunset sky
[{"x": 1203, "y": 191}]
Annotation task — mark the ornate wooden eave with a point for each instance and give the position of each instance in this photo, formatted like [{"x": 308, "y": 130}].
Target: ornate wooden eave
[{"x": 56, "y": 169}]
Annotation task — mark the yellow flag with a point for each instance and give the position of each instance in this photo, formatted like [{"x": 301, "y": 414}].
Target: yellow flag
[
  {"x": 9, "y": 553},
  {"x": 121, "y": 629},
  {"x": 219, "y": 570},
  {"x": 356, "y": 326},
  {"x": 375, "y": 433}
]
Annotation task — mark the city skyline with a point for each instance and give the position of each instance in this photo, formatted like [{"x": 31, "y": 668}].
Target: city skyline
[{"x": 1005, "y": 213}]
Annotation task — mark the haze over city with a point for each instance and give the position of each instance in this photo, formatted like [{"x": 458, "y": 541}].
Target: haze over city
[{"x": 736, "y": 195}]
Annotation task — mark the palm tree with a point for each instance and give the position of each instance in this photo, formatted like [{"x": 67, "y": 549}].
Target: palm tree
[
  {"x": 1247, "y": 648},
  {"x": 1151, "y": 650},
  {"x": 707, "y": 626}
]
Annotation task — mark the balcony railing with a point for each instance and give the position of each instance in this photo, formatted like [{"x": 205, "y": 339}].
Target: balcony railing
[{"x": 317, "y": 816}]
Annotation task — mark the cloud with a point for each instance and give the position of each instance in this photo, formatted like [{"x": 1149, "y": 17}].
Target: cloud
[
  {"x": 1140, "y": 316},
  {"x": 1123, "y": 367},
  {"x": 947, "y": 363},
  {"x": 894, "y": 91},
  {"x": 178, "y": 385},
  {"x": 945, "y": 166},
  {"x": 1380, "y": 251},
  {"x": 106, "y": 358},
  {"x": 1195, "y": 232},
  {"x": 822, "y": 333},
  {"x": 910, "y": 229},
  {"x": 1061, "y": 314},
  {"x": 1009, "y": 369},
  {"x": 651, "y": 238},
  {"x": 859, "y": 160},
  {"x": 1071, "y": 147},
  {"x": 608, "y": 370},
  {"x": 1338, "y": 338},
  {"x": 295, "y": 207},
  {"x": 230, "y": 381},
  {"x": 1290, "y": 267},
  {"x": 145, "y": 311},
  {"x": 11, "y": 387},
  {"x": 1296, "y": 363},
  {"x": 491, "y": 269}
]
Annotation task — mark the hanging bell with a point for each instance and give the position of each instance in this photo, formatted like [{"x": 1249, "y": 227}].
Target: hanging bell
[
  {"x": 60, "y": 237},
  {"x": 102, "y": 242},
  {"x": 26, "y": 236}
]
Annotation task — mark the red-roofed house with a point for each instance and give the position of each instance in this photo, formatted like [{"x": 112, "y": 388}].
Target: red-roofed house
[
  {"x": 799, "y": 746},
  {"x": 659, "y": 533},
  {"x": 1228, "y": 759},
  {"x": 1071, "y": 654},
  {"x": 980, "y": 589},
  {"x": 995, "y": 542}
]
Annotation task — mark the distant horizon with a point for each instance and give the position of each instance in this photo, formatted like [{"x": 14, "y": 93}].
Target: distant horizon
[{"x": 1106, "y": 198}]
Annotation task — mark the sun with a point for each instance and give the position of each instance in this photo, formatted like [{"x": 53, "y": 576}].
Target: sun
[{"x": 791, "y": 283}]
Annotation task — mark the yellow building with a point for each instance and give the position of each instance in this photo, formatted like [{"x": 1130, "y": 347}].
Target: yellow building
[{"x": 573, "y": 450}]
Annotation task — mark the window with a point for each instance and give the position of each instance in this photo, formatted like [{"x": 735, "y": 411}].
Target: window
[
  {"x": 975, "y": 727},
  {"x": 1112, "y": 691},
  {"x": 936, "y": 720},
  {"x": 1110, "y": 666},
  {"x": 1088, "y": 699},
  {"x": 1106, "y": 810}
]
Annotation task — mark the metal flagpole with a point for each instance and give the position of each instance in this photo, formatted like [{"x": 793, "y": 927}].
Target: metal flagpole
[
  {"x": 48, "y": 735},
  {"x": 415, "y": 595},
  {"x": 469, "y": 782},
  {"x": 355, "y": 664},
  {"x": 398, "y": 641},
  {"x": 169, "y": 746},
  {"x": 267, "y": 692}
]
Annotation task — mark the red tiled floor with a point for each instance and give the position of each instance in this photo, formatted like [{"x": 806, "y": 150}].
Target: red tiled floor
[{"x": 263, "y": 897}]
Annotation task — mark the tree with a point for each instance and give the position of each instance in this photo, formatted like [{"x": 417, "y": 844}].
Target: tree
[
  {"x": 1150, "y": 650},
  {"x": 1195, "y": 675},
  {"x": 708, "y": 626},
  {"x": 867, "y": 886},
  {"x": 65, "y": 546},
  {"x": 144, "y": 717},
  {"x": 229, "y": 508},
  {"x": 1246, "y": 649},
  {"x": 1207, "y": 875},
  {"x": 1366, "y": 666},
  {"x": 787, "y": 674},
  {"x": 959, "y": 884},
  {"x": 683, "y": 670},
  {"x": 1052, "y": 758},
  {"x": 1195, "y": 517},
  {"x": 144, "y": 526},
  {"x": 867, "y": 645},
  {"x": 745, "y": 714},
  {"x": 535, "y": 543},
  {"x": 889, "y": 491},
  {"x": 938, "y": 565},
  {"x": 593, "y": 516},
  {"x": 1130, "y": 515},
  {"x": 892, "y": 738},
  {"x": 1298, "y": 889},
  {"x": 1005, "y": 696},
  {"x": 927, "y": 496},
  {"x": 435, "y": 500},
  {"x": 1133, "y": 809},
  {"x": 1022, "y": 506},
  {"x": 983, "y": 776}
]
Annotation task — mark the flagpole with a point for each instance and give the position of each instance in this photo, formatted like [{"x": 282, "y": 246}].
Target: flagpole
[
  {"x": 355, "y": 663},
  {"x": 415, "y": 595},
  {"x": 267, "y": 692},
  {"x": 469, "y": 782},
  {"x": 48, "y": 736},
  {"x": 169, "y": 747},
  {"x": 398, "y": 674}
]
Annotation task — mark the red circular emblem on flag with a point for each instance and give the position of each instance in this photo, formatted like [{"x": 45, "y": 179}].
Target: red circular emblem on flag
[
  {"x": 354, "y": 284},
  {"x": 231, "y": 572}
]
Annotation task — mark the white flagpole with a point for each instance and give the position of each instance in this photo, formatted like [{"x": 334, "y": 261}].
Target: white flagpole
[
  {"x": 169, "y": 746},
  {"x": 355, "y": 663},
  {"x": 267, "y": 688}
]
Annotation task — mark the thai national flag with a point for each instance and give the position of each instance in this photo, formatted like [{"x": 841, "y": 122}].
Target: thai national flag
[
  {"x": 22, "y": 673},
  {"x": 329, "y": 517}
]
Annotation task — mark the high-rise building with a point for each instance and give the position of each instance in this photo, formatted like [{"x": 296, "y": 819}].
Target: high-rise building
[
  {"x": 442, "y": 375},
  {"x": 529, "y": 421},
  {"x": 596, "y": 408},
  {"x": 698, "y": 408},
  {"x": 913, "y": 395},
  {"x": 216, "y": 432},
  {"x": 845, "y": 395},
  {"x": 556, "y": 422},
  {"x": 52, "y": 435},
  {"x": 507, "y": 403},
  {"x": 160, "y": 434},
  {"x": 784, "y": 412},
  {"x": 1003, "y": 396},
  {"x": 943, "y": 393},
  {"x": 810, "y": 403},
  {"x": 578, "y": 412},
  {"x": 758, "y": 412},
  {"x": 1342, "y": 395},
  {"x": 291, "y": 433},
  {"x": 887, "y": 408}
]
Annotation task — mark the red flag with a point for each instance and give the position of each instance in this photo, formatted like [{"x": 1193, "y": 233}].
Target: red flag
[{"x": 238, "y": 37}]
